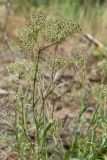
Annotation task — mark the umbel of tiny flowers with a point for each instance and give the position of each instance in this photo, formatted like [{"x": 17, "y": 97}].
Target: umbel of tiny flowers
[{"x": 40, "y": 27}]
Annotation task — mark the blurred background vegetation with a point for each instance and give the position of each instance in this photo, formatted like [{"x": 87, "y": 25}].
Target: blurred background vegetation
[{"x": 93, "y": 12}]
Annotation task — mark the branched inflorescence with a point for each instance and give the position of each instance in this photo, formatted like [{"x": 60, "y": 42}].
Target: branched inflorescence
[
  {"x": 53, "y": 30},
  {"x": 39, "y": 29}
]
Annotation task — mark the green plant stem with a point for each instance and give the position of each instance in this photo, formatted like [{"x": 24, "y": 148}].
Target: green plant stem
[
  {"x": 36, "y": 70},
  {"x": 35, "y": 78},
  {"x": 53, "y": 76},
  {"x": 24, "y": 126},
  {"x": 56, "y": 43}
]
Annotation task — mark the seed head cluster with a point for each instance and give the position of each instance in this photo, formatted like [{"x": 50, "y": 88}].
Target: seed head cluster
[
  {"x": 77, "y": 61},
  {"x": 52, "y": 30},
  {"x": 22, "y": 67}
]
